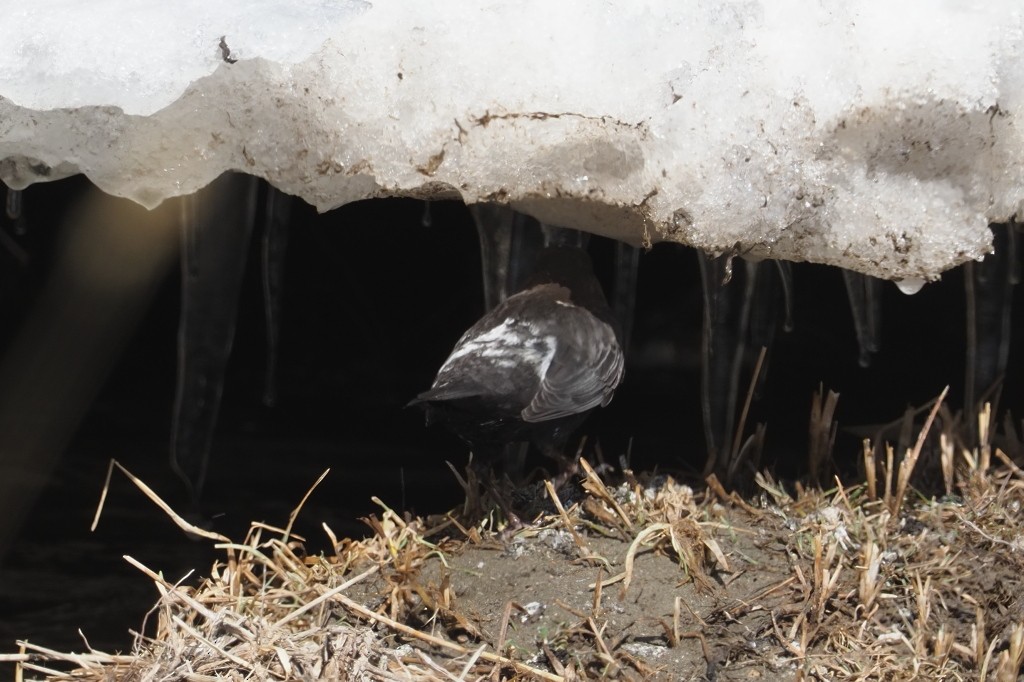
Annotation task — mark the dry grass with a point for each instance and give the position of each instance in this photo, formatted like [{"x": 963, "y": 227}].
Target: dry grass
[{"x": 869, "y": 582}]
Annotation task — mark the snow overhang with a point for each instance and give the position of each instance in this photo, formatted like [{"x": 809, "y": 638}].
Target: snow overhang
[{"x": 882, "y": 138}]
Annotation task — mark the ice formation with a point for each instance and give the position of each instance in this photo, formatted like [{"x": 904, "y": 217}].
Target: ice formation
[
  {"x": 881, "y": 137},
  {"x": 218, "y": 225}
]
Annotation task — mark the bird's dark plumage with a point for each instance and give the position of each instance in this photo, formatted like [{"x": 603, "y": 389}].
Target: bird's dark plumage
[{"x": 534, "y": 366}]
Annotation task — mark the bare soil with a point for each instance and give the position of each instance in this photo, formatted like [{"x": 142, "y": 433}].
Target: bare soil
[
  {"x": 627, "y": 579},
  {"x": 783, "y": 599}
]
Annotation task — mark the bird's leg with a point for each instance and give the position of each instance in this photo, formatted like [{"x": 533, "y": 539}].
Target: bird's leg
[
  {"x": 495, "y": 493},
  {"x": 568, "y": 465},
  {"x": 479, "y": 480},
  {"x": 475, "y": 473},
  {"x": 566, "y": 475},
  {"x": 513, "y": 461}
]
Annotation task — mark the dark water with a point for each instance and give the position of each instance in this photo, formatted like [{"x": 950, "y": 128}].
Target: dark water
[{"x": 375, "y": 299}]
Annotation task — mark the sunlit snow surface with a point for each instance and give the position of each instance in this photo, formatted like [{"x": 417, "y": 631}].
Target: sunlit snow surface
[
  {"x": 140, "y": 56},
  {"x": 882, "y": 137}
]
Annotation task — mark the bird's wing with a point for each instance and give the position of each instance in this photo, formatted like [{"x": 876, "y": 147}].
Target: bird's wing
[
  {"x": 493, "y": 360},
  {"x": 586, "y": 367}
]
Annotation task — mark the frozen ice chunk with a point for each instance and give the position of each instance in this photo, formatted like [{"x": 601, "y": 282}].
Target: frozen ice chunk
[
  {"x": 140, "y": 56},
  {"x": 831, "y": 133}
]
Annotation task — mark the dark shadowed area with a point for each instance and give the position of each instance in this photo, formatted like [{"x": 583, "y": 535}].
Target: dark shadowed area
[{"x": 376, "y": 294}]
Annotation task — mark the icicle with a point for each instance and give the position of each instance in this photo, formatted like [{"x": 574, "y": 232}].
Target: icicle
[
  {"x": 988, "y": 286},
  {"x": 762, "y": 299},
  {"x": 13, "y": 204},
  {"x": 427, "y": 219},
  {"x": 623, "y": 299},
  {"x": 722, "y": 342},
  {"x": 494, "y": 229},
  {"x": 738, "y": 321},
  {"x": 274, "y": 248},
  {"x": 508, "y": 240},
  {"x": 627, "y": 261},
  {"x": 8, "y": 243},
  {"x": 785, "y": 269},
  {"x": 215, "y": 241},
  {"x": 564, "y": 236},
  {"x": 865, "y": 295},
  {"x": 14, "y": 212},
  {"x": 1014, "y": 228}
]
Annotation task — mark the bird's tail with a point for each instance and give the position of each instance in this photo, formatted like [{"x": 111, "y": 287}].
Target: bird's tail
[{"x": 448, "y": 392}]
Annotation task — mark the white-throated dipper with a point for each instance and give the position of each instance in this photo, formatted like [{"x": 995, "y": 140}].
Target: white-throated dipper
[{"x": 534, "y": 366}]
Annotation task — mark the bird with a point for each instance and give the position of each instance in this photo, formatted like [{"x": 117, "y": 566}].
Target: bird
[{"x": 533, "y": 367}]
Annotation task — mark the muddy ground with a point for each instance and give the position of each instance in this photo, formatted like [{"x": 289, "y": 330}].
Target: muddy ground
[
  {"x": 777, "y": 589},
  {"x": 630, "y": 578}
]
